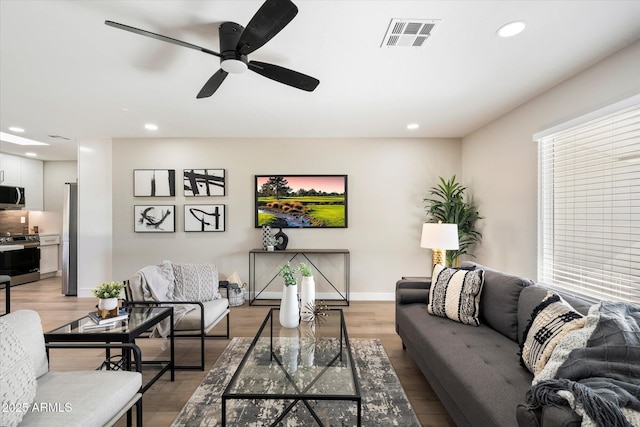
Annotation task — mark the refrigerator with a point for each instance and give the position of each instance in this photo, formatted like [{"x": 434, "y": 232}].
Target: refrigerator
[{"x": 70, "y": 240}]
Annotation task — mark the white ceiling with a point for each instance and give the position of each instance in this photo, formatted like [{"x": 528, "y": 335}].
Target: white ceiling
[{"x": 64, "y": 72}]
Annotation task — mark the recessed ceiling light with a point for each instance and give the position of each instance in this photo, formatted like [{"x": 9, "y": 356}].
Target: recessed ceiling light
[
  {"x": 16, "y": 129},
  {"x": 14, "y": 139},
  {"x": 151, "y": 126},
  {"x": 31, "y": 154},
  {"x": 413, "y": 126},
  {"x": 511, "y": 29}
]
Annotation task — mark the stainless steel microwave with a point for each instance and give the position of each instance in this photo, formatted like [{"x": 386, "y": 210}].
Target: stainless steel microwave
[{"x": 11, "y": 197}]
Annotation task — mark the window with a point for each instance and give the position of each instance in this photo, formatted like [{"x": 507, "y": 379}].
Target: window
[{"x": 589, "y": 204}]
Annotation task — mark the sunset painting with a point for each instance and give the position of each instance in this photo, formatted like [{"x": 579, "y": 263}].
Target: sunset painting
[{"x": 301, "y": 201}]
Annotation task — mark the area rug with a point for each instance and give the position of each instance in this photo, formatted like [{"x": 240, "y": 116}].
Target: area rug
[{"x": 384, "y": 402}]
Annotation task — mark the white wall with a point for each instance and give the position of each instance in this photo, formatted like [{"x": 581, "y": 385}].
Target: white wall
[
  {"x": 499, "y": 161},
  {"x": 388, "y": 178}
]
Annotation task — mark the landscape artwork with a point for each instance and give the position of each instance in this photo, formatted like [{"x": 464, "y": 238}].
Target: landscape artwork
[
  {"x": 301, "y": 201},
  {"x": 154, "y": 218},
  {"x": 154, "y": 182},
  {"x": 204, "y": 217},
  {"x": 204, "y": 182}
]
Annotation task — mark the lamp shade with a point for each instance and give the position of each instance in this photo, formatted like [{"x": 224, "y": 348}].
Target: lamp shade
[{"x": 439, "y": 236}]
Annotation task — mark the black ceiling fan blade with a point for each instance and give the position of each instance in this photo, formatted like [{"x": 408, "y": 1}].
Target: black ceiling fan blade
[
  {"x": 284, "y": 75},
  {"x": 212, "y": 84},
  {"x": 268, "y": 21},
  {"x": 160, "y": 37}
]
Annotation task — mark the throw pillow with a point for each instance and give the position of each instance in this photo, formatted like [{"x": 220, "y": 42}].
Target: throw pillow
[
  {"x": 17, "y": 377},
  {"x": 550, "y": 321},
  {"x": 196, "y": 282},
  {"x": 455, "y": 294}
]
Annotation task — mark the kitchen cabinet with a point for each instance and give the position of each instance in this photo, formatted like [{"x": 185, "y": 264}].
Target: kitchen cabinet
[
  {"x": 27, "y": 173},
  {"x": 10, "y": 170},
  {"x": 33, "y": 182},
  {"x": 49, "y": 249}
]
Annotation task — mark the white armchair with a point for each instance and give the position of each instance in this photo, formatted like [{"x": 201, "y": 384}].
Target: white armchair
[
  {"x": 34, "y": 396},
  {"x": 192, "y": 289}
]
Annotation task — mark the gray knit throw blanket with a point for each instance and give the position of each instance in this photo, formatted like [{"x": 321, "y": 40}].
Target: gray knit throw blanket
[{"x": 604, "y": 376}]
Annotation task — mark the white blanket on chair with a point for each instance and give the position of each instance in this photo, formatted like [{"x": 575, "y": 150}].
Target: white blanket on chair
[{"x": 157, "y": 282}]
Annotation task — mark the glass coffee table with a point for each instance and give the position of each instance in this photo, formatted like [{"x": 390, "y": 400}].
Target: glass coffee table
[
  {"x": 140, "y": 320},
  {"x": 306, "y": 373}
]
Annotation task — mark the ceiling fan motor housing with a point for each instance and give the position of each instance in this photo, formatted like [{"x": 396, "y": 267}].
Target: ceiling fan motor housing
[{"x": 231, "y": 60}]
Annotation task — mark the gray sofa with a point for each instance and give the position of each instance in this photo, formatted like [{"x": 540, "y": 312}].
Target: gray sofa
[{"x": 476, "y": 371}]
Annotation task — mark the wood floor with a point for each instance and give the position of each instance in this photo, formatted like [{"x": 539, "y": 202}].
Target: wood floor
[{"x": 165, "y": 399}]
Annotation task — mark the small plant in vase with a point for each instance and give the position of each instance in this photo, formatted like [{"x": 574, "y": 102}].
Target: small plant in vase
[
  {"x": 289, "y": 309},
  {"x": 108, "y": 294},
  {"x": 307, "y": 292}
]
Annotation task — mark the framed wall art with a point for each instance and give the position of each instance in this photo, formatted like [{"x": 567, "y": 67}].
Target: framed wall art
[
  {"x": 154, "y": 218},
  {"x": 204, "y": 217},
  {"x": 154, "y": 182},
  {"x": 301, "y": 201},
  {"x": 204, "y": 182}
]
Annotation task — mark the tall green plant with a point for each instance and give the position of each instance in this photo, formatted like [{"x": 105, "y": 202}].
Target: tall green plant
[{"x": 446, "y": 203}]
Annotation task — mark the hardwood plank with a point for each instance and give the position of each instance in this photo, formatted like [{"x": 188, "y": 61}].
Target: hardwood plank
[{"x": 165, "y": 399}]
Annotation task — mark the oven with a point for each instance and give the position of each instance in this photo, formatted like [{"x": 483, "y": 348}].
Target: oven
[{"x": 20, "y": 258}]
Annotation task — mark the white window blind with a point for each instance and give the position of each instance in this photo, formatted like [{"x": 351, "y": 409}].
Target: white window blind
[{"x": 589, "y": 207}]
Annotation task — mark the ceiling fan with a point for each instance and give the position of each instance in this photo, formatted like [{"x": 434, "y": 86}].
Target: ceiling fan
[{"x": 237, "y": 42}]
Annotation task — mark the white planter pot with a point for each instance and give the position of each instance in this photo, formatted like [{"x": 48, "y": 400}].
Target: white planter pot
[
  {"x": 107, "y": 303},
  {"x": 290, "y": 346},
  {"x": 289, "y": 310},
  {"x": 307, "y": 297}
]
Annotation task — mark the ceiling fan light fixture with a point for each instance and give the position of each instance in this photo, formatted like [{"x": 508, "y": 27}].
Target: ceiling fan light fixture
[
  {"x": 234, "y": 66},
  {"x": 511, "y": 29}
]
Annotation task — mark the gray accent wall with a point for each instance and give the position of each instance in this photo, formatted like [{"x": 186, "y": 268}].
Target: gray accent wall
[{"x": 388, "y": 178}]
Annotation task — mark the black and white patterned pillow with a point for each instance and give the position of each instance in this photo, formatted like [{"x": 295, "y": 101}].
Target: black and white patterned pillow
[
  {"x": 550, "y": 321},
  {"x": 455, "y": 294}
]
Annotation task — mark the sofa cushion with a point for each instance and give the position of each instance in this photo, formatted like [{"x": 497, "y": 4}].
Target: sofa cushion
[
  {"x": 27, "y": 326},
  {"x": 17, "y": 377},
  {"x": 499, "y": 301},
  {"x": 455, "y": 294},
  {"x": 63, "y": 399},
  {"x": 213, "y": 311},
  {"x": 477, "y": 367},
  {"x": 550, "y": 321},
  {"x": 196, "y": 282}
]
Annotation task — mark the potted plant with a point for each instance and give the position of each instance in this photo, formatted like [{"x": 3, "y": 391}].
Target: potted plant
[
  {"x": 108, "y": 294},
  {"x": 447, "y": 204},
  {"x": 289, "y": 310},
  {"x": 307, "y": 292}
]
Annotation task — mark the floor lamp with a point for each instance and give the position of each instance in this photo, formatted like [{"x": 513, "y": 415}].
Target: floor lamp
[{"x": 439, "y": 237}]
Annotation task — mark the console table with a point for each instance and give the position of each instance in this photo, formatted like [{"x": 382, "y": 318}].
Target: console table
[{"x": 255, "y": 289}]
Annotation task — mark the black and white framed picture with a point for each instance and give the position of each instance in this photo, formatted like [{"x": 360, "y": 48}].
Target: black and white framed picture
[
  {"x": 154, "y": 218},
  {"x": 204, "y": 217},
  {"x": 154, "y": 182},
  {"x": 204, "y": 182}
]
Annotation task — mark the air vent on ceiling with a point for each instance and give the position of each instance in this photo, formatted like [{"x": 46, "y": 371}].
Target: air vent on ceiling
[
  {"x": 59, "y": 137},
  {"x": 408, "y": 32}
]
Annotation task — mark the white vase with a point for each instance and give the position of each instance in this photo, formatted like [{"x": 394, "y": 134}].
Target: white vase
[
  {"x": 307, "y": 297},
  {"x": 289, "y": 310},
  {"x": 290, "y": 346},
  {"x": 107, "y": 303}
]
